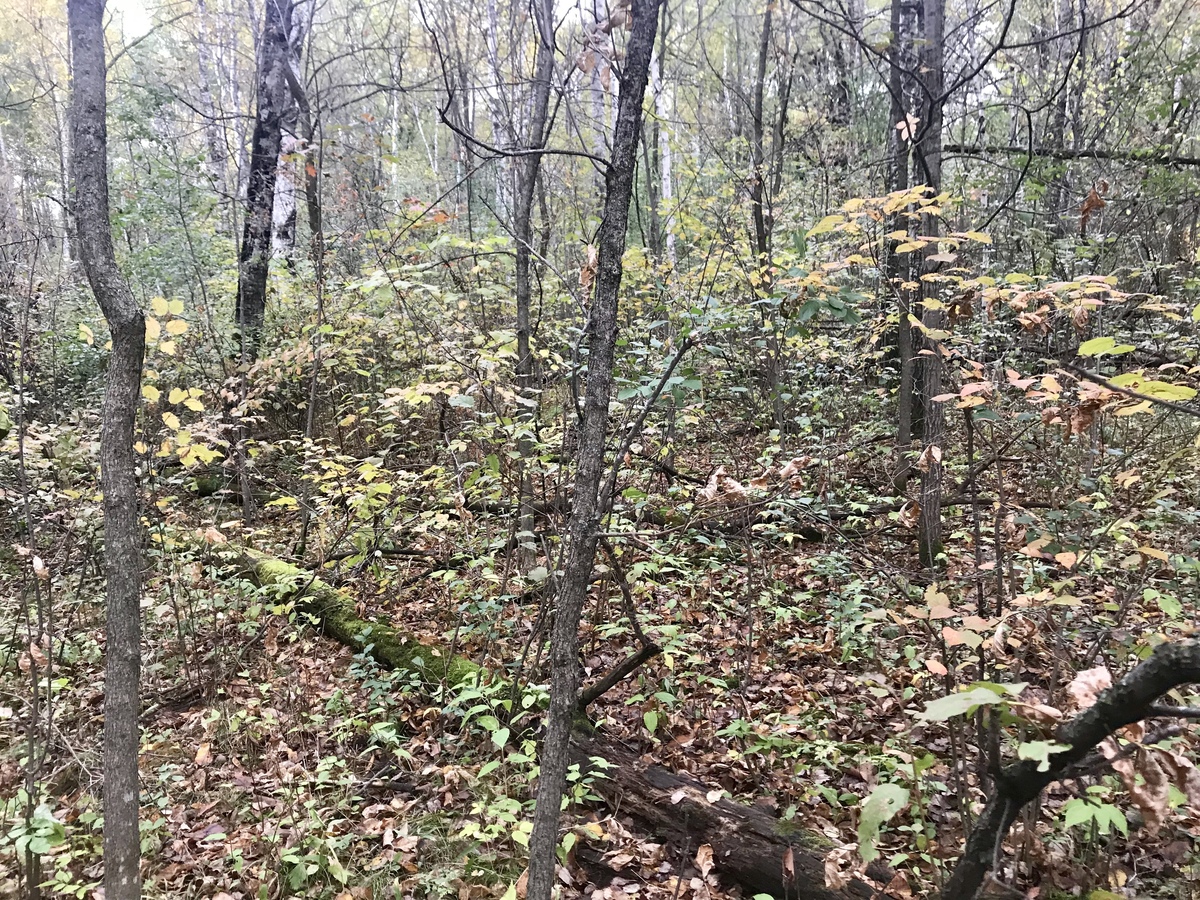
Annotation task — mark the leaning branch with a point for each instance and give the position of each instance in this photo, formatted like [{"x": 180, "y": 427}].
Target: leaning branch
[
  {"x": 1133, "y": 698},
  {"x": 1153, "y": 157}
]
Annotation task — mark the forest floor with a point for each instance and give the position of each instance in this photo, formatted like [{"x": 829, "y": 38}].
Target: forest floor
[{"x": 277, "y": 762}]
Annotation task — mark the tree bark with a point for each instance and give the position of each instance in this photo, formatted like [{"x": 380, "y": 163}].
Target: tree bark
[
  {"x": 895, "y": 266},
  {"x": 118, "y": 472},
  {"x": 254, "y": 260},
  {"x": 582, "y": 528},
  {"x": 929, "y": 526},
  {"x": 527, "y": 178}
]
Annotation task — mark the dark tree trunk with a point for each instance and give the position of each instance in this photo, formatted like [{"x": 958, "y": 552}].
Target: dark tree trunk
[
  {"x": 896, "y": 268},
  {"x": 527, "y": 179},
  {"x": 583, "y": 525},
  {"x": 254, "y": 260},
  {"x": 118, "y": 478},
  {"x": 933, "y": 316}
]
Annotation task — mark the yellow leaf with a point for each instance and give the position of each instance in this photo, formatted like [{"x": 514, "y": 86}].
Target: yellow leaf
[
  {"x": 177, "y": 395},
  {"x": 159, "y": 306},
  {"x": 151, "y": 393},
  {"x": 1157, "y": 554},
  {"x": 177, "y": 327},
  {"x": 193, "y": 404},
  {"x": 978, "y": 236},
  {"x": 175, "y": 307},
  {"x": 139, "y": 447},
  {"x": 86, "y": 334},
  {"x": 167, "y": 347},
  {"x": 827, "y": 224},
  {"x": 171, "y": 421},
  {"x": 153, "y": 330}
]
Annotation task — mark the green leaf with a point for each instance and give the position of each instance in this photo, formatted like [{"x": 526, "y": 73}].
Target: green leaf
[
  {"x": 650, "y": 720},
  {"x": 462, "y": 400},
  {"x": 1040, "y": 751},
  {"x": 1104, "y": 345},
  {"x": 1164, "y": 390},
  {"x": 500, "y": 737},
  {"x": 878, "y": 808},
  {"x": 1096, "y": 346},
  {"x": 962, "y": 703}
]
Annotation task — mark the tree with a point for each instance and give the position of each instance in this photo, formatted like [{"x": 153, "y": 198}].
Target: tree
[
  {"x": 583, "y": 527},
  {"x": 118, "y": 463},
  {"x": 933, "y": 317},
  {"x": 273, "y": 104}
]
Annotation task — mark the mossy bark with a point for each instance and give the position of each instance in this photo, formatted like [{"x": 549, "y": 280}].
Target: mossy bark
[{"x": 337, "y": 613}]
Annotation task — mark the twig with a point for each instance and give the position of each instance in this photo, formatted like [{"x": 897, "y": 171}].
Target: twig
[{"x": 1158, "y": 401}]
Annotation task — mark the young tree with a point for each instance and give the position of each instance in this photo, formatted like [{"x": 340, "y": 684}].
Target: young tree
[
  {"x": 929, "y": 155},
  {"x": 118, "y": 474},
  {"x": 583, "y": 527},
  {"x": 274, "y": 102}
]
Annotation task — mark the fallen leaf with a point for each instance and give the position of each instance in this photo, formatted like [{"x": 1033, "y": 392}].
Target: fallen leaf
[
  {"x": 204, "y": 754},
  {"x": 704, "y": 859}
]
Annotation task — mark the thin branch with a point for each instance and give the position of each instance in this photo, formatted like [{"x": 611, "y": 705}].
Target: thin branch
[
  {"x": 1145, "y": 156},
  {"x": 1158, "y": 401}
]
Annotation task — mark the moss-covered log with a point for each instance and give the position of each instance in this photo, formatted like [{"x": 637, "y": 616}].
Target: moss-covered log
[{"x": 338, "y": 616}]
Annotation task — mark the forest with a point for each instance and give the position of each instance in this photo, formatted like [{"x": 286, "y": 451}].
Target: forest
[{"x": 677, "y": 449}]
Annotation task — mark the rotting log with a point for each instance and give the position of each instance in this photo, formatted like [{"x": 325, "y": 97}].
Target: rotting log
[
  {"x": 750, "y": 846},
  {"x": 339, "y": 619}
]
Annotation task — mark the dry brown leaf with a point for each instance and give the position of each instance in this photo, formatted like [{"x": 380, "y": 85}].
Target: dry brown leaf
[
  {"x": 839, "y": 867},
  {"x": 704, "y": 859},
  {"x": 1087, "y": 686},
  {"x": 204, "y": 754},
  {"x": 1184, "y": 775},
  {"x": 930, "y": 456},
  {"x": 587, "y": 273},
  {"x": 1093, "y": 203},
  {"x": 1152, "y": 794}
]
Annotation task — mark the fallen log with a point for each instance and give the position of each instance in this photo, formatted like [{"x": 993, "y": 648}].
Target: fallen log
[
  {"x": 750, "y": 847},
  {"x": 336, "y": 611}
]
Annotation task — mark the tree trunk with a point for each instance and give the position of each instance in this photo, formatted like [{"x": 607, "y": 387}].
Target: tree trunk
[
  {"x": 528, "y": 167},
  {"x": 895, "y": 266},
  {"x": 254, "y": 260},
  {"x": 295, "y": 137},
  {"x": 932, "y": 317},
  {"x": 584, "y": 522},
  {"x": 118, "y": 472}
]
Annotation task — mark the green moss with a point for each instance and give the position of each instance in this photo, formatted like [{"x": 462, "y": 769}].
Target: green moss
[
  {"x": 336, "y": 611},
  {"x": 806, "y": 838}
]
